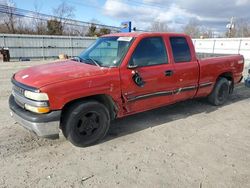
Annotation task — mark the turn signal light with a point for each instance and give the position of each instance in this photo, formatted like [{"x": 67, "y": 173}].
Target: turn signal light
[{"x": 40, "y": 110}]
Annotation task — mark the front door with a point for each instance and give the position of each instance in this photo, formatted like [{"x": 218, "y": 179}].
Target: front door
[{"x": 149, "y": 80}]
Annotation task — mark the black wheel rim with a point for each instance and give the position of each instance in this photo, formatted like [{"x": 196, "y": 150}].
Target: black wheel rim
[
  {"x": 223, "y": 92},
  {"x": 88, "y": 124}
]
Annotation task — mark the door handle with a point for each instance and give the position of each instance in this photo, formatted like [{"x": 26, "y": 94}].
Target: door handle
[{"x": 169, "y": 73}]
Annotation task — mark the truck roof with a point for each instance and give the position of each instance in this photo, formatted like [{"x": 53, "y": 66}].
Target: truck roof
[{"x": 142, "y": 34}]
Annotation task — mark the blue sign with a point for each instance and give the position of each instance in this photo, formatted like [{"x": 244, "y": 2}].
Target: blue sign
[{"x": 126, "y": 27}]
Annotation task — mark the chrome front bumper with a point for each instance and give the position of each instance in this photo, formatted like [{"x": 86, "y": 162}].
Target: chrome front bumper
[
  {"x": 41, "y": 129},
  {"x": 44, "y": 125}
]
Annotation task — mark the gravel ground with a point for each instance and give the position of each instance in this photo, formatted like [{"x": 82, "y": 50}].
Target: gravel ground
[{"x": 190, "y": 144}]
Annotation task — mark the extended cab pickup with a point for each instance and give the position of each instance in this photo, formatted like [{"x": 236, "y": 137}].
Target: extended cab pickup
[{"x": 119, "y": 75}]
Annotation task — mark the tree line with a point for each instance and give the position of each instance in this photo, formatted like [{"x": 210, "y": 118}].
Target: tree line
[
  {"x": 17, "y": 21},
  {"x": 197, "y": 30}
]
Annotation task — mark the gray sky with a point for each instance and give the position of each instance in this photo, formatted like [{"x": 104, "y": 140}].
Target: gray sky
[{"x": 212, "y": 14}]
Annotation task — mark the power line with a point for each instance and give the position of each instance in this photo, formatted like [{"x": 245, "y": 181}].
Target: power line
[
  {"x": 46, "y": 17},
  {"x": 155, "y": 6},
  {"x": 85, "y": 5},
  {"x": 141, "y": 4}
]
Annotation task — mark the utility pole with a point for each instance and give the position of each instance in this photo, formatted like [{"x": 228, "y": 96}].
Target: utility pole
[{"x": 230, "y": 27}]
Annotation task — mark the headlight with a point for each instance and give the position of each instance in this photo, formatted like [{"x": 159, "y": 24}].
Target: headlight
[
  {"x": 39, "y": 110},
  {"x": 36, "y": 96}
]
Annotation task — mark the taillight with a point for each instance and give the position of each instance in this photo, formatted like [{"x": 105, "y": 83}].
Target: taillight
[{"x": 241, "y": 61}]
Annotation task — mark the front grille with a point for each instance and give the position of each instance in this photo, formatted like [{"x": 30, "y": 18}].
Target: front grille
[{"x": 18, "y": 90}]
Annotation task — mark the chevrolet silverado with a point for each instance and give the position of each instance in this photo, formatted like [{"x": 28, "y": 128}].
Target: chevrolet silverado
[{"x": 118, "y": 75}]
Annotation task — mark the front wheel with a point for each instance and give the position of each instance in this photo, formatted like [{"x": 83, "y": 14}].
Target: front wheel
[
  {"x": 86, "y": 123},
  {"x": 220, "y": 92}
]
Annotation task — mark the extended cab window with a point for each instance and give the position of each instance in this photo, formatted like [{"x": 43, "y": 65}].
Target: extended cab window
[
  {"x": 150, "y": 51},
  {"x": 181, "y": 50}
]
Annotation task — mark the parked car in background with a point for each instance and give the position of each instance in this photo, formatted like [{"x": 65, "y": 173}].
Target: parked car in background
[{"x": 247, "y": 81}]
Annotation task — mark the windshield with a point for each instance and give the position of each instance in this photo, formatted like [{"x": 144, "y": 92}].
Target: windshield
[{"x": 107, "y": 51}]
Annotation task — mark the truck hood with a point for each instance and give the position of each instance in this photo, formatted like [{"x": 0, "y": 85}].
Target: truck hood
[{"x": 42, "y": 75}]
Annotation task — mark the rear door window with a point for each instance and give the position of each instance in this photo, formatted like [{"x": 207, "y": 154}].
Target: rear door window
[{"x": 181, "y": 50}]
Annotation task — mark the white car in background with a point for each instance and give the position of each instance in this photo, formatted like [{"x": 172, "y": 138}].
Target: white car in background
[{"x": 247, "y": 81}]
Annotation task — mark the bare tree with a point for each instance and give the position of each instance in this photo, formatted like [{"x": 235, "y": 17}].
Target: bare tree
[
  {"x": 92, "y": 31},
  {"x": 242, "y": 28},
  {"x": 232, "y": 33},
  {"x": 9, "y": 18},
  {"x": 206, "y": 32},
  {"x": 104, "y": 31},
  {"x": 159, "y": 27},
  {"x": 21, "y": 26},
  {"x": 64, "y": 12},
  {"x": 54, "y": 27},
  {"x": 192, "y": 28},
  {"x": 40, "y": 25}
]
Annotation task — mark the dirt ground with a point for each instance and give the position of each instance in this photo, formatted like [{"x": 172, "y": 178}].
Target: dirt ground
[{"x": 190, "y": 144}]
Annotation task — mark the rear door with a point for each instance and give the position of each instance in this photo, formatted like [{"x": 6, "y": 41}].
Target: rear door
[
  {"x": 186, "y": 67},
  {"x": 149, "y": 82}
]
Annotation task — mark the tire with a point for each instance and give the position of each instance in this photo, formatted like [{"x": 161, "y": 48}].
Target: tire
[
  {"x": 220, "y": 92},
  {"x": 86, "y": 123}
]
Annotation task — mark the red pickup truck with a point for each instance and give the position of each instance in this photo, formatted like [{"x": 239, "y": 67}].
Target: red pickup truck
[{"x": 119, "y": 75}]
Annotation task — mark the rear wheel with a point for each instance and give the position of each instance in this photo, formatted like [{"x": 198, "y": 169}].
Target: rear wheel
[
  {"x": 220, "y": 92},
  {"x": 86, "y": 123}
]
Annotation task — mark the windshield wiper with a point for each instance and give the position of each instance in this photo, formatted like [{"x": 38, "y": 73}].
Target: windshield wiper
[
  {"x": 86, "y": 60},
  {"x": 94, "y": 61},
  {"x": 77, "y": 58}
]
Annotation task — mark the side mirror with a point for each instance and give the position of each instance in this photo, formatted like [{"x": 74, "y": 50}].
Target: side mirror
[{"x": 132, "y": 66}]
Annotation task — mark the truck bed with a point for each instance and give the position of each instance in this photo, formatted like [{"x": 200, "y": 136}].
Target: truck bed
[
  {"x": 210, "y": 55},
  {"x": 202, "y": 56}
]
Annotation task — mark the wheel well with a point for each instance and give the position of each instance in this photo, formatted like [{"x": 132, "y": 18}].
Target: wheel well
[
  {"x": 103, "y": 99},
  {"x": 229, "y": 77}
]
